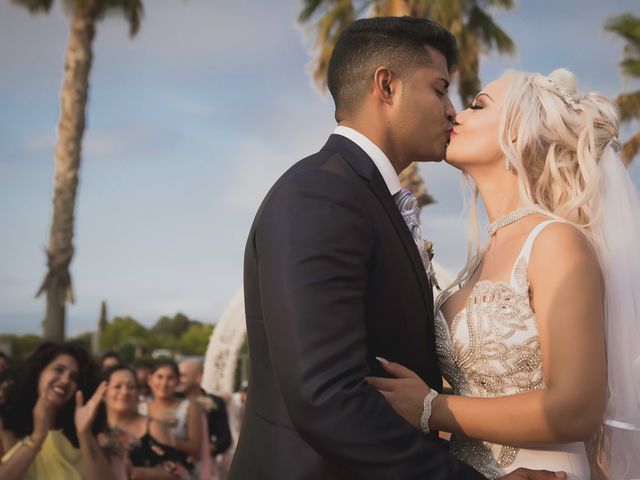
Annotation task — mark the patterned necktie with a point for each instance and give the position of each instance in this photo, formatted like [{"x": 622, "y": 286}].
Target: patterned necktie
[{"x": 408, "y": 206}]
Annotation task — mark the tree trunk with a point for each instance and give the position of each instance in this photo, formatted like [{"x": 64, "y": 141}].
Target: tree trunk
[
  {"x": 392, "y": 8},
  {"x": 73, "y": 100}
]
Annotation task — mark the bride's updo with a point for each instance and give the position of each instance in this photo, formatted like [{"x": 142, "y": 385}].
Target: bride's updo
[{"x": 560, "y": 135}]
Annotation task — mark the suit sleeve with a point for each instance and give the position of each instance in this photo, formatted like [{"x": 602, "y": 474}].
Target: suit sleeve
[{"x": 314, "y": 245}]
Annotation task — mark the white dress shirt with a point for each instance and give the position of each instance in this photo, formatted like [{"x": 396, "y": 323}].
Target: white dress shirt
[{"x": 376, "y": 154}]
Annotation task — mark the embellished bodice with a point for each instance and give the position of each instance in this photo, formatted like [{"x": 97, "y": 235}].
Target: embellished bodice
[{"x": 490, "y": 349}]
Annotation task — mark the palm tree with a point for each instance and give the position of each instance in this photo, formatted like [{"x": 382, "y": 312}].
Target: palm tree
[
  {"x": 468, "y": 20},
  {"x": 83, "y": 16},
  {"x": 628, "y": 27}
]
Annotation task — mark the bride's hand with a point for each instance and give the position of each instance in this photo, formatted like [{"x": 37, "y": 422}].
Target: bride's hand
[{"x": 405, "y": 392}]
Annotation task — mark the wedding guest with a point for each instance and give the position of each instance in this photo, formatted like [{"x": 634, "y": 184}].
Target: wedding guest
[
  {"x": 143, "y": 443},
  {"x": 217, "y": 419},
  {"x": 46, "y": 428},
  {"x": 108, "y": 360},
  {"x": 142, "y": 374},
  {"x": 179, "y": 414}
]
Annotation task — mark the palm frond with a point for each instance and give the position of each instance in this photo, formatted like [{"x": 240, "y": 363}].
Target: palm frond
[
  {"x": 506, "y": 4},
  {"x": 488, "y": 32},
  {"x": 131, "y": 10},
  {"x": 34, "y": 6},
  {"x": 630, "y": 149},
  {"x": 628, "y": 27},
  {"x": 442, "y": 11},
  {"x": 629, "y": 106},
  {"x": 310, "y": 7},
  {"x": 328, "y": 28},
  {"x": 630, "y": 67},
  {"x": 468, "y": 66}
]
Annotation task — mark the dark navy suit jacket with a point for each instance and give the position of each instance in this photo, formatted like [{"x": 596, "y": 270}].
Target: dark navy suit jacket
[{"x": 332, "y": 279}]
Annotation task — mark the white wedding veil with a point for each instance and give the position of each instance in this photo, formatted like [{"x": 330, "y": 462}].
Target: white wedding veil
[{"x": 617, "y": 236}]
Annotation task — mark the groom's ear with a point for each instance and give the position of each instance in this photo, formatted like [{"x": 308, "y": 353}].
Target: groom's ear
[{"x": 384, "y": 84}]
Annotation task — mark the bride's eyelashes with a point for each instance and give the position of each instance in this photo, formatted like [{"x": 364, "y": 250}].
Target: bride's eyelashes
[{"x": 475, "y": 106}]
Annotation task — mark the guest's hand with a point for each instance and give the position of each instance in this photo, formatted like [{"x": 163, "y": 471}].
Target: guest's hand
[
  {"x": 405, "y": 393},
  {"x": 43, "y": 412},
  {"x": 86, "y": 413},
  {"x": 526, "y": 474}
]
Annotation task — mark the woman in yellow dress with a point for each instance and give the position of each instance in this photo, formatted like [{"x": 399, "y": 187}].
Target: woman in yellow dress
[{"x": 47, "y": 431}]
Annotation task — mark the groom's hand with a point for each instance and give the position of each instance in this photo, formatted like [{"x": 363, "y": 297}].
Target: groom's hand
[{"x": 526, "y": 474}]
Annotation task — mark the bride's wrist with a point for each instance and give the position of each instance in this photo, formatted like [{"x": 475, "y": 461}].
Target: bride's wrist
[{"x": 436, "y": 408}]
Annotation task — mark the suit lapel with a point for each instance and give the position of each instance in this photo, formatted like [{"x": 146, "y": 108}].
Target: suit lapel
[{"x": 364, "y": 166}]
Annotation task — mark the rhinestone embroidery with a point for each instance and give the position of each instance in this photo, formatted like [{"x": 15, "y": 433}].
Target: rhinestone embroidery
[{"x": 491, "y": 349}]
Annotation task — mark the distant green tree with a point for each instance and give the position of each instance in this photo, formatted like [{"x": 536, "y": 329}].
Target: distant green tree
[
  {"x": 161, "y": 340},
  {"x": 195, "y": 340},
  {"x": 176, "y": 325},
  {"x": 131, "y": 349},
  {"x": 85, "y": 339},
  {"x": 21, "y": 345},
  {"x": 104, "y": 320},
  {"x": 627, "y": 26},
  {"x": 119, "y": 331}
]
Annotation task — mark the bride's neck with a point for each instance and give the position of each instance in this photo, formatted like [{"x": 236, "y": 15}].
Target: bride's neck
[{"x": 499, "y": 193}]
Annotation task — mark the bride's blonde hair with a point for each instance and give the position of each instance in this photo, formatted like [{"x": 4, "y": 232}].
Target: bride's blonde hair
[{"x": 553, "y": 137}]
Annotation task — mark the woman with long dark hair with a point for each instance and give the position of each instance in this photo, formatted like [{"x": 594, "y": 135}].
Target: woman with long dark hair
[{"x": 46, "y": 429}]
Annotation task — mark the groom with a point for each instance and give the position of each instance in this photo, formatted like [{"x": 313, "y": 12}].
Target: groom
[{"x": 333, "y": 277}]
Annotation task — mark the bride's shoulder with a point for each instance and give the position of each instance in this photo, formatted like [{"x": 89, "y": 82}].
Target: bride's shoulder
[{"x": 561, "y": 246}]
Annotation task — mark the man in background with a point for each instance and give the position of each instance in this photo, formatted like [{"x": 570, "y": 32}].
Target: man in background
[{"x": 218, "y": 422}]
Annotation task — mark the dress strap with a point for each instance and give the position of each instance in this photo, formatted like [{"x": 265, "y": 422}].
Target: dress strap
[{"x": 525, "y": 252}]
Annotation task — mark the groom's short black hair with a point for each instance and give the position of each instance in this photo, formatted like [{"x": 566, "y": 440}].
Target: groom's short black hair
[{"x": 395, "y": 42}]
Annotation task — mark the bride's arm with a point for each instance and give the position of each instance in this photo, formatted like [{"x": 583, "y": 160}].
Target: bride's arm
[{"x": 567, "y": 293}]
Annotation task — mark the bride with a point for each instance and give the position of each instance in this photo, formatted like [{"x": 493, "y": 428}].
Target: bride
[{"x": 521, "y": 332}]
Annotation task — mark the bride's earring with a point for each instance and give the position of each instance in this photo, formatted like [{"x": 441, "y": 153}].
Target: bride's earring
[{"x": 507, "y": 165}]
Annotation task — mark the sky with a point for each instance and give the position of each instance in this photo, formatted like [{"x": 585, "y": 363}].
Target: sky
[{"x": 188, "y": 125}]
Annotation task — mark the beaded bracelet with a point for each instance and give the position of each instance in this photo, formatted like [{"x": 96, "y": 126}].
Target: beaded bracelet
[{"x": 426, "y": 410}]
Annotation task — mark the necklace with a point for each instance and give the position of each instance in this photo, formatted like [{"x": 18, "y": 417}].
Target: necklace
[{"x": 508, "y": 219}]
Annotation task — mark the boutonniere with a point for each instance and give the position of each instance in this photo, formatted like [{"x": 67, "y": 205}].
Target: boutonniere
[
  {"x": 431, "y": 271},
  {"x": 205, "y": 403},
  {"x": 428, "y": 246}
]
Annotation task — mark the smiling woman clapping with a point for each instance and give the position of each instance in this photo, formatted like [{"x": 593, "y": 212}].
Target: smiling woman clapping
[{"x": 46, "y": 428}]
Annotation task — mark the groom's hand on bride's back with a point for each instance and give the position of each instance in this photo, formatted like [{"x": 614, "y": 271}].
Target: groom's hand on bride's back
[{"x": 526, "y": 474}]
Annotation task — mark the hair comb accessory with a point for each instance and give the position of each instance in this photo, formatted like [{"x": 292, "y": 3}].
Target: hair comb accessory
[
  {"x": 615, "y": 144},
  {"x": 568, "y": 99}
]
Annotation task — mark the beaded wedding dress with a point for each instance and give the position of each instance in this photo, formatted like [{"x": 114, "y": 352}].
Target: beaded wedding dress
[{"x": 490, "y": 349}]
